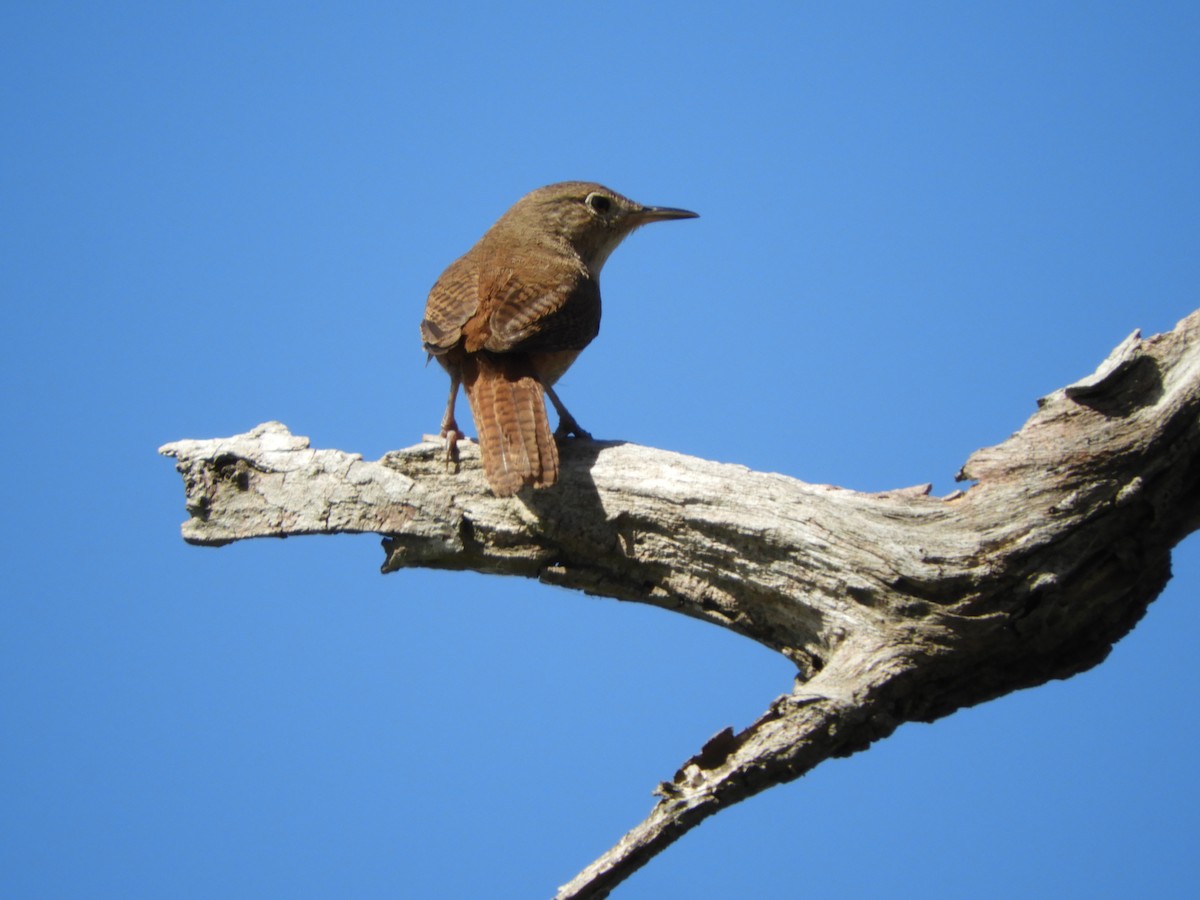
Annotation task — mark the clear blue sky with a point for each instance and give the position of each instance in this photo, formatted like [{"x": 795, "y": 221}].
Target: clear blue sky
[{"x": 916, "y": 219}]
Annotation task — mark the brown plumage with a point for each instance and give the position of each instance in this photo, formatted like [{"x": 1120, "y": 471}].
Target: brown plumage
[{"x": 510, "y": 316}]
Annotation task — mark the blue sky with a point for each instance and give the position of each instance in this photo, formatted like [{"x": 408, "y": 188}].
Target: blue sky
[{"x": 916, "y": 219}]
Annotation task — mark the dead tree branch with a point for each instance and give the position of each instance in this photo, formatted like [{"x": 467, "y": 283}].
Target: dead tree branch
[{"x": 894, "y": 607}]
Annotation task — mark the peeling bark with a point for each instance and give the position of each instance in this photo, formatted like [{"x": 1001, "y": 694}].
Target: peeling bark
[{"x": 894, "y": 607}]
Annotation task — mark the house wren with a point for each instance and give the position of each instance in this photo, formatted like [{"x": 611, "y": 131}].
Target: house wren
[{"x": 510, "y": 316}]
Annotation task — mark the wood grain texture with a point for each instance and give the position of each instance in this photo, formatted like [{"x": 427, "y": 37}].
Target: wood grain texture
[{"x": 894, "y": 607}]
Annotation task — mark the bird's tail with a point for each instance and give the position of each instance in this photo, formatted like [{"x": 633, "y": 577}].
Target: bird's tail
[{"x": 507, "y": 402}]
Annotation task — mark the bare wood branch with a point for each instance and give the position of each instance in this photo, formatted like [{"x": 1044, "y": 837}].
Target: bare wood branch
[{"x": 894, "y": 607}]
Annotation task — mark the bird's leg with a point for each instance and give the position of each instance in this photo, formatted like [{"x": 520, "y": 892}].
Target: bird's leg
[
  {"x": 449, "y": 426},
  {"x": 566, "y": 422}
]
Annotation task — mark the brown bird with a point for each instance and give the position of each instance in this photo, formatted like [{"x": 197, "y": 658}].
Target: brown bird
[{"x": 510, "y": 316}]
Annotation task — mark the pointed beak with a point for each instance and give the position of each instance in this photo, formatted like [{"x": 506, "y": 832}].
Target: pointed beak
[{"x": 663, "y": 214}]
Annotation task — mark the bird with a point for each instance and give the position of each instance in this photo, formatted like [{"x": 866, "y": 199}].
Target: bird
[{"x": 509, "y": 317}]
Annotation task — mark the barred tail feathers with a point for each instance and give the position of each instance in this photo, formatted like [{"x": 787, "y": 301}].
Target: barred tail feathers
[{"x": 508, "y": 405}]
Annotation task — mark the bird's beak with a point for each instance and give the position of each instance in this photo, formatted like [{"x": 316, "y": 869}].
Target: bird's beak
[{"x": 663, "y": 214}]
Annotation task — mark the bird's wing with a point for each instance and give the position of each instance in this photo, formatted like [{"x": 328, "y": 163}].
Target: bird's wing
[
  {"x": 526, "y": 316},
  {"x": 453, "y": 300}
]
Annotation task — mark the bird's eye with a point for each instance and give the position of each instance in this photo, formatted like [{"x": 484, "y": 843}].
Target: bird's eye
[{"x": 598, "y": 202}]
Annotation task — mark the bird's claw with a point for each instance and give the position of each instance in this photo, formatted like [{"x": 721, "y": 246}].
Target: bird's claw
[
  {"x": 568, "y": 427},
  {"x": 451, "y": 434}
]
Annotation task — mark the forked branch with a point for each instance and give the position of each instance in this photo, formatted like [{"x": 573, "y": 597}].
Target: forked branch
[{"x": 894, "y": 607}]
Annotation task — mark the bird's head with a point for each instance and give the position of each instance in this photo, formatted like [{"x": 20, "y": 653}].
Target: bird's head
[{"x": 588, "y": 217}]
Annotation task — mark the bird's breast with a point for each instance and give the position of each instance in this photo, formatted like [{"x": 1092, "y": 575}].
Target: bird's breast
[{"x": 551, "y": 365}]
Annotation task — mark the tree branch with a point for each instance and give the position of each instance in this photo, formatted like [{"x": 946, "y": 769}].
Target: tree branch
[{"x": 894, "y": 607}]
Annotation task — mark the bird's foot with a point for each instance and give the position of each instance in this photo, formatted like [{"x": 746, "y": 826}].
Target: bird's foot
[
  {"x": 568, "y": 427},
  {"x": 451, "y": 433}
]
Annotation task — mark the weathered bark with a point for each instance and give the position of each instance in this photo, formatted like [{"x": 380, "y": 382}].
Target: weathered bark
[{"x": 894, "y": 607}]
